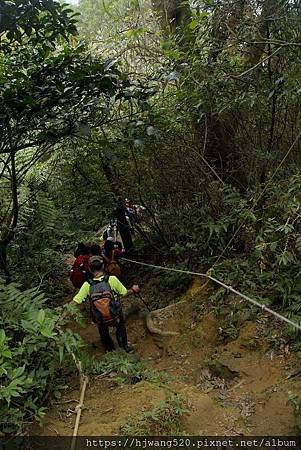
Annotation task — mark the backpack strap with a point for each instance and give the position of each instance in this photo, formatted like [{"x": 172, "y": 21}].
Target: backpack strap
[
  {"x": 106, "y": 278},
  {"x": 103, "y": 279},
  {"x": 92, "y": 282},
  {"x": 112, "y": 257},
  {"x": 106, "y": 259}
]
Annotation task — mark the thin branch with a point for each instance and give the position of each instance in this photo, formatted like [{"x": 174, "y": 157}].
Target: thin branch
[{"x": 260, "y": 62}]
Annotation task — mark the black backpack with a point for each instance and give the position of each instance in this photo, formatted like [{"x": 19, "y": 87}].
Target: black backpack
[{"x": 104, "y": 303}]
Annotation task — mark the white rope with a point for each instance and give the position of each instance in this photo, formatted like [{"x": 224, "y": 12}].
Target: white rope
[{"x": 230, "y": 288}]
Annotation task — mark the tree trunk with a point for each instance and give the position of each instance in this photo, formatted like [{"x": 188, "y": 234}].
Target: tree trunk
[
  {"x": 9, "y": 230},
  {"x": 3, "y": 262},
  {"x": 173, "y": 13}
]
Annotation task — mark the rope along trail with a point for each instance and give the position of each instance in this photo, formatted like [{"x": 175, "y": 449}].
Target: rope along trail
[{"x": 230, "y": 288}]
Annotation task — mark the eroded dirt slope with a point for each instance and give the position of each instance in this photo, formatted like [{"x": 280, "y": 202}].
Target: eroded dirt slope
[{"x": 241, "y": 387}]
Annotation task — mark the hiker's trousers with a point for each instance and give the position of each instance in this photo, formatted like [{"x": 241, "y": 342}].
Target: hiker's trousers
[{"x": 104, "y": 332}]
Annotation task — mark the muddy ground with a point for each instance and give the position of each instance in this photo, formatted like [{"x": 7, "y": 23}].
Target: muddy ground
[{"x": 240, "y": 387}]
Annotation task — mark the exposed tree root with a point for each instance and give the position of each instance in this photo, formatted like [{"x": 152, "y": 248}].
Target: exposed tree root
[{"x": 153, "y": 329}]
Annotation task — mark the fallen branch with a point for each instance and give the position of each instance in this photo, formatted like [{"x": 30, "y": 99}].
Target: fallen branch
[
  {"x": 79, "y": 410},
  {"x": 83, "y": 380}
]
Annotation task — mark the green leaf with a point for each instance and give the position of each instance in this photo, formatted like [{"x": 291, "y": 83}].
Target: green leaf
[
  {"x": 135, "y": 32},
  {"x": 47, "y": 333},
  {"x": 41, "y": 317},
  {"x": 17, "y": 372},
  {"x": 2, "y": 337},
  {"x": 28, "y": 326},
  {"x": 166, "y": 45},
  {"x": 193, "y": 24}
]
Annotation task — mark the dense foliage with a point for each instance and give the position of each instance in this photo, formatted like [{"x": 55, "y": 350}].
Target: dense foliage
[
  {"x": 215, "y": 154},
  {"x": 33, "y": 353}
]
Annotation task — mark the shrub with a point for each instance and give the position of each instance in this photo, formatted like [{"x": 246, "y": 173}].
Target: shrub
[
  {"x": 127, "y": 368},
  {"x": 33, "y": 356},
  {"x": 163, "y": 420}
]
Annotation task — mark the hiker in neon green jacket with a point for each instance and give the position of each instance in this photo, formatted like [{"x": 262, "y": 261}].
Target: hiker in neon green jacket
[{"x": 104, "y": 293}]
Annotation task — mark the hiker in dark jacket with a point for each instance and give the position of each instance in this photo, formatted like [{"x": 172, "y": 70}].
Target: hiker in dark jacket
[
  {"x": 123, "y": 226},
  {"x": 81, "y": 249},
  {"x": 95, "y": 250},
  {"x": 109, "y": 247},
  {"x": 98, "y": 291}
]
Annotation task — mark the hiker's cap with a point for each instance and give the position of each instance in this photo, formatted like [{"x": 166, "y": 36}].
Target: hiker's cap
[{"x": 96, "y": 258}]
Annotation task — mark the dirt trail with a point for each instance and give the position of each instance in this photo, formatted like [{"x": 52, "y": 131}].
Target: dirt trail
[{"x": 238, "y": 388}]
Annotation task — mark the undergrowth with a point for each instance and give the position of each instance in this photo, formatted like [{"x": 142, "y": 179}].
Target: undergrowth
[
  {"x": 123, "y": 368},
  {"x": 34, "y": 356},
  {"x": 164, "y": 419}
]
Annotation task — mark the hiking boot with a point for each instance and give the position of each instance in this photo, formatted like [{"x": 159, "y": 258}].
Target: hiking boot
[
  {"x": 109, "y": 350},
  {"x": 129, "y": 349}
]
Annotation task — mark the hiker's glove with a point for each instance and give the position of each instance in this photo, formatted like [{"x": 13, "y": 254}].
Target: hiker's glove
[{"x": 135, "y": 288}]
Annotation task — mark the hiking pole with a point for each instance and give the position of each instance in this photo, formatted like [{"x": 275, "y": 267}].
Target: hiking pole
[{"x": 143, "y": 301}]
